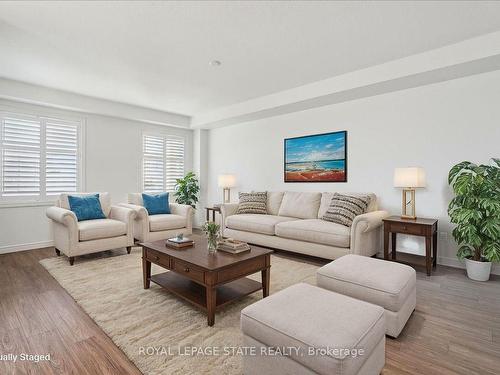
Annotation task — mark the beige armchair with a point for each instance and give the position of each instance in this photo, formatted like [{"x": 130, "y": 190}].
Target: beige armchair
[
  {"x": 74, "y": 238},
  {"x": 149, "y": 228}
]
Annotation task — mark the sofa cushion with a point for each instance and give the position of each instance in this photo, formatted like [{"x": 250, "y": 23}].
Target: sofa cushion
[
  {"x": 300, "y": 205},
  {"x": 101, "y": 228},
  {"x": 326, "y": 199},
  {"x": 156, "y": 204},
  {"x": 104, "y": 199},
  {"x": 315, "y": 230},
  {"x": 274, "y": 199},
  {"x": 387, "y": 284},
  {"x": 307, "y": 317},
  {"x": 86, "y": 207},
  {"x": 166, "y": 222},
  {"x": 344, "y": 208},
  {"x": 255, "y": 222},
  {"x": 252, "y": 203}
]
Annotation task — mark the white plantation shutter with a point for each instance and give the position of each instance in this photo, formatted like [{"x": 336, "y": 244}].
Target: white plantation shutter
[
  {"x": 21, "y": 150},
  {"x": 174, "y": 161},
  {"x": 163, "y": 162},
  {"x": 61, "y": 156},
  {"x": 39, "y": 156}
]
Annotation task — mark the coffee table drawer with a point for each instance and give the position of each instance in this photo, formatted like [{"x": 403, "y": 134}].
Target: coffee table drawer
[
  {"x": 188, "y": 270},
  {"x": 158, "y": 258},
  {"x": 241, "y": 269}
]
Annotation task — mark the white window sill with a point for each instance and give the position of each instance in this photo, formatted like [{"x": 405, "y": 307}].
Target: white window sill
[{"x": 13, "y": 204}]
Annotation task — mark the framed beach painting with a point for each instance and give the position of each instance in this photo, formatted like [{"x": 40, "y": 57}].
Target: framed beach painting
[{"x": 316, "y": 158}]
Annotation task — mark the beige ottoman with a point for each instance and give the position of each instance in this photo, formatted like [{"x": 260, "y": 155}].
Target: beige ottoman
[
  {"x": 387, "y": 284},
  {"x": 308, "y": 330}
]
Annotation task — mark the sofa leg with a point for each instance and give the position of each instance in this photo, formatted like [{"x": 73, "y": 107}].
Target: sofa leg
[
  {"x": 129, "y": 248},
  {"x": 58, "y": 253},
  {"x": 71, "y": 260}
]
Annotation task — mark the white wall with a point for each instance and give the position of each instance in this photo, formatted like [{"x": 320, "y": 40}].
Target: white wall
[
  {"x": 433, "y": 126},
  {"x": 112, "y": 159}
]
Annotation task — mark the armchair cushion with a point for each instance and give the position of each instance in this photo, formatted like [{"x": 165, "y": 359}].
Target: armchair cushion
[
  {"x": 166, "y": 222},
  {"x": 101, "y": 228},
  {"x": 156, "y": 204},
  {"x": 86, "y": 207}
]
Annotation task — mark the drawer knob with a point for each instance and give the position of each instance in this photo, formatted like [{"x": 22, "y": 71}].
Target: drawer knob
[
  {"x": 404, "y": 227},
  {"x": 186, "y": 269},
  {"x": 157, "y": 257}
]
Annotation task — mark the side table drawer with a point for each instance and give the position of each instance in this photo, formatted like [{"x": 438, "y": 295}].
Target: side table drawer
[
  {"x": 158, "y": 258},
  {"x": 188, "y": 270},
  {"x": 407, "y": 228}
]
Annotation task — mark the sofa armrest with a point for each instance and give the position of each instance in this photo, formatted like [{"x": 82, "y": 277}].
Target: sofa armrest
[
  {"x": 140, "y": 211},
  {"x": 184, "y": 210},
  {"x": 62, "y": 216},
  {"x": 65, "y": 226},
  {"x": 123, "y": 214},
  {"x": 365, "y": 233},
  {"x": 228, "y": 209}
]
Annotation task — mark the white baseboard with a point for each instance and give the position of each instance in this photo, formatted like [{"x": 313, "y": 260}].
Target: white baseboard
[
  {"x": 25, "y": 246},
  {"x": 456, "y": 263}
]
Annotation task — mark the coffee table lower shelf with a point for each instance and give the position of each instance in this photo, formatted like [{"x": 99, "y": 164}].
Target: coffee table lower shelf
[{"x": 196, "y": 293}]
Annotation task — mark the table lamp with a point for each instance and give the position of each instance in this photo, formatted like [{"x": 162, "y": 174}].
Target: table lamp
[
  {"x": 409, "y": 178},
  {"x": 226, "y": 182}
]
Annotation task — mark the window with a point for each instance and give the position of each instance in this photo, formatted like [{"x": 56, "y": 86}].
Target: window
[
  {"x": 39, "y": 156},
  {"x": 163, "y": 162}
]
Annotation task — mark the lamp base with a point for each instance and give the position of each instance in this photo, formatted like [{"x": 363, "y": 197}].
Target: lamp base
[
  {"x": 226, "y": 195},
  {"x": 408, "y": 204}
]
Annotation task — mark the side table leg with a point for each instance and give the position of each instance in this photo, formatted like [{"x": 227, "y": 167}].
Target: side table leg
[
  {"x": 386, "y": 244},
  {"x": 435, "y": 248},
  {"x": 428, "y": 258},
  {"x": 393, "y": 238}
]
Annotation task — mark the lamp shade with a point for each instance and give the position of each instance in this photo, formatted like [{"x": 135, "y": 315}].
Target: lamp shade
[
  {"x": 409, "y": 177},
  {"x": 226, "y": 180}
]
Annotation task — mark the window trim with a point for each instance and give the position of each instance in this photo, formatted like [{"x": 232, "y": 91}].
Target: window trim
[
  {"x": 33, "y": 110},
  {"x": 163, "y": 135}
]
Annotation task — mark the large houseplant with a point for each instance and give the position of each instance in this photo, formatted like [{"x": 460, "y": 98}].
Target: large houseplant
[
  {"x": 187, "y": 190},
  {"x": 476, "y": 212}
]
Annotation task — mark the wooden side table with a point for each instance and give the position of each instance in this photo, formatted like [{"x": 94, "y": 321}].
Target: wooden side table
[
  {"x": 213, "y": 210},
  {"x": 419, "y": 227}
]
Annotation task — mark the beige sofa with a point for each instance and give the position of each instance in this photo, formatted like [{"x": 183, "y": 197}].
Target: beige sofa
[
  {"x": 159, "y": 227},
  {"x": 293, "y": 223},
  {"x": 75, "y": 238}
]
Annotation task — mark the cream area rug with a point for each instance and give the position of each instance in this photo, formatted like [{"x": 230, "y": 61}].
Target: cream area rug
[{"x": 159, "y": 332}]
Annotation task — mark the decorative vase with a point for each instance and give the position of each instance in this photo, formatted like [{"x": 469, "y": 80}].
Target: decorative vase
[
  {"x": 212, "y": 243},
  {"x": 479, "y": 271}
]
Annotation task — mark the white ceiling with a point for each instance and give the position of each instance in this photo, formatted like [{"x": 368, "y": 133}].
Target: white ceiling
[{"x": 156, "y": 54}]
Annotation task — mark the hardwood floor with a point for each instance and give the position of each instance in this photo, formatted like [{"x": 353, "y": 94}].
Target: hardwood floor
[{"x": 454, "y": 330}]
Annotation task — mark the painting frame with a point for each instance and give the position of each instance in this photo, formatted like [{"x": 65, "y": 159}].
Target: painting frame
[{"x": 305, "y": 137}]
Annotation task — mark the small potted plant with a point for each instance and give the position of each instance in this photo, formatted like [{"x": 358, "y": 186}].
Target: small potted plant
[
  {"x": 475, "y": 210},
  {"x": 212, "y": 231}
]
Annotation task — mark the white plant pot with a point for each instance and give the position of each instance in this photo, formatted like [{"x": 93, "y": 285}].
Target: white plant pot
[{"x": 479, "y": 271}]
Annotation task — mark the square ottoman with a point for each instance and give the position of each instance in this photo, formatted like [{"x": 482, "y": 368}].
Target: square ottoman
[
  {"x": 304, "y": 329},
  {"x": 387, "y": 284}
]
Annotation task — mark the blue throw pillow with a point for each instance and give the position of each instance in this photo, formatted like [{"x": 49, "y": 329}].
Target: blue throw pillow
[
  {"x": 87, "y": 207},
  {"x": 156, "y": 204}
]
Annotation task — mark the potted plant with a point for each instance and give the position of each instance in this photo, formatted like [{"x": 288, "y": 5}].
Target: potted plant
[
  {"x": 212, "y": 231},
  {"x": 187, "y": 190},
  {"x": 476, "y": 212}
]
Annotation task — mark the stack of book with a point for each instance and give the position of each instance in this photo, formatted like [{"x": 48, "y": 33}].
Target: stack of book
[
  {"x": 179, "y": 242},
  {"x": 233, "y": 246}
]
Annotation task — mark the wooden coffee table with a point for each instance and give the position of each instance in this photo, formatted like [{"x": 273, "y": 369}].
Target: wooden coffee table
[{"x": 209, "y": 281}]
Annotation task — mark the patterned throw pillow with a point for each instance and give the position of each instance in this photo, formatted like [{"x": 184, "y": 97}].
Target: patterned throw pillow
[
  {"x": 344, "y": 208},
  {"x": 253, "y": 203}
]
